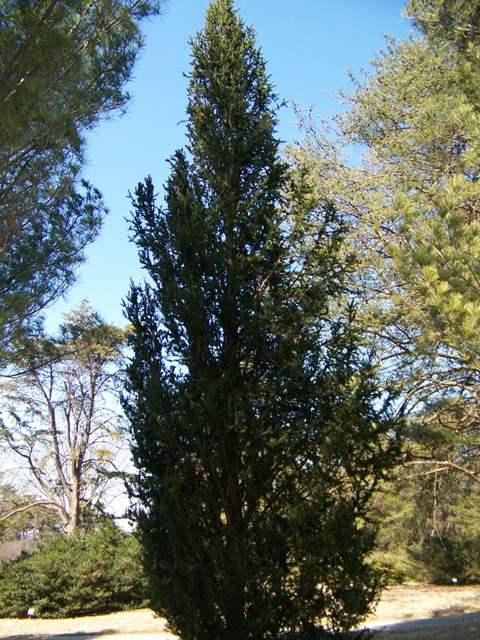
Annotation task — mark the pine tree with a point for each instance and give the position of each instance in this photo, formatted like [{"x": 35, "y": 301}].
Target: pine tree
[
  {"x": 63, "y": 68},
  {"x": 252, "y": 403},
  {"x": 415, "y": 200}
]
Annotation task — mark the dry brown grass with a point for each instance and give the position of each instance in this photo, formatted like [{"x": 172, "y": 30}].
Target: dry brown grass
[
  {"x": 124, "y": 622},
  {"x": 413, "y": 601},
  {"x": 458, "y": 628},
  {"x": 447, "y": 605}
]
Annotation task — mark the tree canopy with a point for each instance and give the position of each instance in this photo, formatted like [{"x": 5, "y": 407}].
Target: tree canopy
[
  {"x": 412, "y": 198},
  {"x": 63, "y": 67},
  {"x": 60, "y": 423}
]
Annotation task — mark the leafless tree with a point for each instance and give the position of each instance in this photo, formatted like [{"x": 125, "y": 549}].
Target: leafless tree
[{"x": 61, "y": 419}]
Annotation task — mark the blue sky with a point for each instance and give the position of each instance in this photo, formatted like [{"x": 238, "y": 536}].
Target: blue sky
[{"x": 309, "y": 45}]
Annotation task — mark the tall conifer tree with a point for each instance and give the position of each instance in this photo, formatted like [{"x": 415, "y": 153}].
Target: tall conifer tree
[{"x": 257, "y": 440}]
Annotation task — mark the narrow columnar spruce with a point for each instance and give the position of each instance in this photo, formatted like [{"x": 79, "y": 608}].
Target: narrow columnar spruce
[{"x": 258, "y": 437}]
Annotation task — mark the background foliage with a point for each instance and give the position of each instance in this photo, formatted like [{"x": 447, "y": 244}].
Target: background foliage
[
  {"x": 64, "y": 67},
  {"x": 402, "y": 162},
  {"x": 97, "y": 572}
]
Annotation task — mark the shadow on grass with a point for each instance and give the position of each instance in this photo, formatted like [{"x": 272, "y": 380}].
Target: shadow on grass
[
  {"x": 442, "y": 627},
  {"x": 81, "y": 635},
  {"x": 454, "y": 610}
]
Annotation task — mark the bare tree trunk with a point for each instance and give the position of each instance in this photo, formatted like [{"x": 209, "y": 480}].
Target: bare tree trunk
[{"x": 74, "y": 499}]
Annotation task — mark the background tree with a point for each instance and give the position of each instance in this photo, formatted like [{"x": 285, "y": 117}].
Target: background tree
[
  {"x": 64, "y": 67},
  {"x": 413, "y": 201},
  {"x": 21, "y": 529},
  {"x": 16, "y": 522},
  {"x": 60, "y": 420},
  {"x": 258, "y": 433},
  {"x": 453, "y": 21},
  {"x": 429, "y": 526}
]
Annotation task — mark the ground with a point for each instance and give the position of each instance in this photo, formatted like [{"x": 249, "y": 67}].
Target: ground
[
  {"x": 423, "y": 612},
  {"x": 450, "y": 611}
]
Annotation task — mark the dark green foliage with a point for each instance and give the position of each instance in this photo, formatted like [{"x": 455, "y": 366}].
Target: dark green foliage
[
  {"x": 442, "y": 560},
  {"x": 259, "y": 433},
  {"x": 98, "y": 572},
  {"x": 63, "y": 68}
]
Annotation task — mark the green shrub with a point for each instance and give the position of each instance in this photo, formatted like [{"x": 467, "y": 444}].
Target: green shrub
[
  {"x": 98, "y": 572},
  {"x": 441, "y": 560}
]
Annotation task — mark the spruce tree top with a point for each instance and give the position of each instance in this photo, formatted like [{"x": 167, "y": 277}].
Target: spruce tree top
[
  {"x": 231, "y": 101},
  {"x": 219, "y": 236}
]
